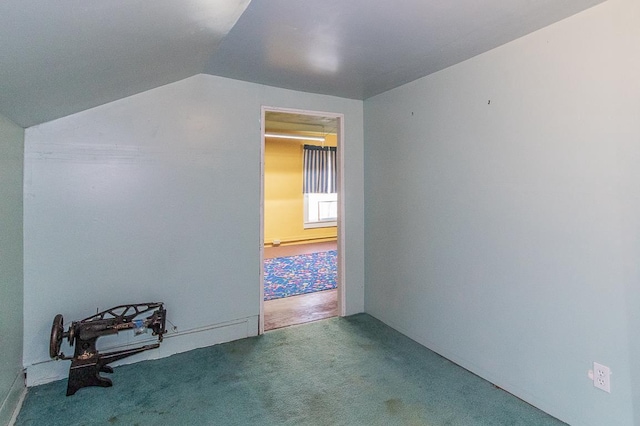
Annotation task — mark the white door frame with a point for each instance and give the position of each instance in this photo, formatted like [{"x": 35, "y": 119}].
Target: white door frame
[{"x": 341, "y": 210}]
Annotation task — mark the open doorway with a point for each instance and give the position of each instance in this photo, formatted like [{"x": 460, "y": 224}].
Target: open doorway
[{"x": 301, "y": 214}]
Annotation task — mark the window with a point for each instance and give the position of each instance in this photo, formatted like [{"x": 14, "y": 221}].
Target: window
[
  {"x": 319, "y": 187},
  {"x": 320, "y": 210}
]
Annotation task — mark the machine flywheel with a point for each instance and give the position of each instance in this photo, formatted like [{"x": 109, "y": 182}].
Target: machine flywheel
[{"x": 57, "y": 332}]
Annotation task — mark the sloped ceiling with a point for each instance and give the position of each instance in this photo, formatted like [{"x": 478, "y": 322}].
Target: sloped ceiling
[
  {"x": 59, "y": 57},
  {"x": 64, "y": 56}
]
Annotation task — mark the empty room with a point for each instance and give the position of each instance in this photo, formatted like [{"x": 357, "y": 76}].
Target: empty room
[{"x": 487, "y": 212}]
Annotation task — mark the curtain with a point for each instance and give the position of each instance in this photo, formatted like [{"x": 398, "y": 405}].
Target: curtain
[{"x": 319, "y": 172}]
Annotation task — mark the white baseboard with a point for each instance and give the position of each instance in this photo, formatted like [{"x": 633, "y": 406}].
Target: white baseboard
[
  {"x": 174, "y": 343},
  {"x": 11, "y": 405}
]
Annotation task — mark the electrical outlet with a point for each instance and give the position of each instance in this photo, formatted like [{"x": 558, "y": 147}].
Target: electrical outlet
[{"x": 602, "y": 377}]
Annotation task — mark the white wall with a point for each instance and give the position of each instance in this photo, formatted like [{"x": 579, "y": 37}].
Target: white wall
[
  {"x": 155, "y": 197},
  {"x": 504, "y": 234},
  {"x": 11, "y": 292}
]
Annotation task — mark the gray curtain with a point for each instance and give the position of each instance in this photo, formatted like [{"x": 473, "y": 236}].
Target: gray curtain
[{"x": 319, "y": 169}]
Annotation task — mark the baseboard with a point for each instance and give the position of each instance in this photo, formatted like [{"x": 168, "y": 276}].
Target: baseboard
[
  {"x": 174, "y": 343},
  {"x": 12, "y": 403},
  {"x": 300, "y": 240}
]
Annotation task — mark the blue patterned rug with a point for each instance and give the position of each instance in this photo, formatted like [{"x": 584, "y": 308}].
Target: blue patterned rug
[{"x": 304, "y": 273}]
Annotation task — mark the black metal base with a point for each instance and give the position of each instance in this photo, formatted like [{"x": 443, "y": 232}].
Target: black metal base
[
  {"x": 81, "y": 376},
  {"x": 86, "y": 372}
]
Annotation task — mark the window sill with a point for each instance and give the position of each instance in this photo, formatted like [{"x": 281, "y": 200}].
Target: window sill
[{"x": 320, "y": 225}]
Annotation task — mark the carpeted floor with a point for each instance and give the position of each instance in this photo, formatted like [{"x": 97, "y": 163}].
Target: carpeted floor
[
  {"x": 341, "y": 371},
  {"x": 300, "y": 274}
]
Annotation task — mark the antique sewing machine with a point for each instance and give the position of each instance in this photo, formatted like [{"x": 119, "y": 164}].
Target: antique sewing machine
[{"x": 87, "y": 363}]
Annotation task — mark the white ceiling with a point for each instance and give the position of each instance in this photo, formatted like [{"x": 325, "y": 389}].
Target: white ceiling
[
  {"x": 283, "y": 122},
  {"x": 61, "y": 57}
]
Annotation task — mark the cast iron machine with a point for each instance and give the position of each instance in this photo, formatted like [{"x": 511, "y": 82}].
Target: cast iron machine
[{"x": 87, "y": 363}]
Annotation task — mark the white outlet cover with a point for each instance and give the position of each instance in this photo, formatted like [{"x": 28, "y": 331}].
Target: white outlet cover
[{"x": 602, "y": 377}]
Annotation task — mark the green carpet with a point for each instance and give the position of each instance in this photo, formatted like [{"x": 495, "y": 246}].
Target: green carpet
[{"x": 341, "y": 371}]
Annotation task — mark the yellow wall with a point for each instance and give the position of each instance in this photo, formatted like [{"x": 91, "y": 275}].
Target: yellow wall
[{"x": 283, "y": 199}]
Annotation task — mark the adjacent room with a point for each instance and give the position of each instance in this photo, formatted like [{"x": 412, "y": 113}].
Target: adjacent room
[
  {"x": 300, "y": 218},
  {"x": 487, "y": 210}
]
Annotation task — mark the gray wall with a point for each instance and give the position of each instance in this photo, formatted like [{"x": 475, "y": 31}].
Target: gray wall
[
  {"x": 502, "y": 213},
  {"x": 11, "y": 282},
  {"x": 156, "y": 197}
]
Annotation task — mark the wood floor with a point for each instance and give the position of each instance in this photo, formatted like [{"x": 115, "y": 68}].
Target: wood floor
[{"x": 292, "y": 310}]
